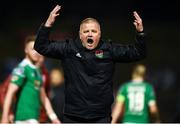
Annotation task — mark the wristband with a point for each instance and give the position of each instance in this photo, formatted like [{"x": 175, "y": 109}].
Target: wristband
[{"x": 52, "y": 116}]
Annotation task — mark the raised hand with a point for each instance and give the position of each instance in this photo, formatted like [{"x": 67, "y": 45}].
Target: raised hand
[
  {"x": 52, "y": 17},
  {"x": 138, "y": 22}
]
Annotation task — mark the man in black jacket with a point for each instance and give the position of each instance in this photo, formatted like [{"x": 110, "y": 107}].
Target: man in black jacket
[{"x": 88, "y": 64}]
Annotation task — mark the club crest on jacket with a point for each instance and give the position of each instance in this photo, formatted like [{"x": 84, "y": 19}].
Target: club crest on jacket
[{"x": 99, "y": 54}]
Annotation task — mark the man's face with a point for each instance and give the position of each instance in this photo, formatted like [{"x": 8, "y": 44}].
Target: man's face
[
  {"x": 90, "y": 30},
  {"x": 31, "y": 53}
]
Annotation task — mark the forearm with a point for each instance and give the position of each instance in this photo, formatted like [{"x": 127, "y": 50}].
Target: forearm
[
  {"x": 154, "y": 112},
  {"x": 117, "y": 111},
  {"x": 115, "y": 116},
  {"x": 140, "y": 45},
  {"x": 47, "y": 47},
  {"x": 140, "y": 37},
  {"x": 6, "y": 108},
  {"x": 47, "y": 105},
  {"x": 155, "y": 117},
  {"x": 48, "y": 108},
  {"x": 42, "y": 41}
]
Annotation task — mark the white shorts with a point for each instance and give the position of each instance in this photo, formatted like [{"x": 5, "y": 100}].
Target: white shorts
[{"x": 29, "y": 121}]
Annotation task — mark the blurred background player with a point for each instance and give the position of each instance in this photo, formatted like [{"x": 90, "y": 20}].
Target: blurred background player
[
  {"x": 57, "y": 91},
  {"x": 46, "y": 84},
  {"x": 135, "y": 100},
  {"x": 26, "y": 83}
]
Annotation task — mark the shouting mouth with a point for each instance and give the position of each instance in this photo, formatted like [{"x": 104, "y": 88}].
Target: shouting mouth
[{"x": 90, "y": 41}]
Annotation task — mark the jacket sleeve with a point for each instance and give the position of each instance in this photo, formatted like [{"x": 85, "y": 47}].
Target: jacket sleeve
[
  {"x": 131, "y": 52},
  {"x": 48, "y": 48}
]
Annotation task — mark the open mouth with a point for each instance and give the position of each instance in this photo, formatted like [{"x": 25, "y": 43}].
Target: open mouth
[{"x": 90, "y": 41}]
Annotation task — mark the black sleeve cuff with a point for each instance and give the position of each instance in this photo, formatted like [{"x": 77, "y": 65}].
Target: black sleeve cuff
[
  {"x": 140, "y": 33},
  {"x": 44, "y": 27}
]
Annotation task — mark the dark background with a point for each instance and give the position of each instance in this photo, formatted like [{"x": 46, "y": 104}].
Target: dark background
[{"x": 161, "y": 20}]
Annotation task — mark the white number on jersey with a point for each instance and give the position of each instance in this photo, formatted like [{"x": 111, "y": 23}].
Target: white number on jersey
[{"x": 136, "y": 101}]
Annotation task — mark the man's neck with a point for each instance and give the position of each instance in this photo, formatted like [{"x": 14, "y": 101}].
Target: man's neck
[
  {"x": 30, "y": 62},
  {"x": 138, "y": 79}
]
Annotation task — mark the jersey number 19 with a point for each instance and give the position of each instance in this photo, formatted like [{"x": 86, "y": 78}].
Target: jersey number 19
[{"x": 136, "y": 101}]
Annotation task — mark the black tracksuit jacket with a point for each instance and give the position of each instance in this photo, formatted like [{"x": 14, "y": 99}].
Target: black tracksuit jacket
[{"x": 89, "y": 73}]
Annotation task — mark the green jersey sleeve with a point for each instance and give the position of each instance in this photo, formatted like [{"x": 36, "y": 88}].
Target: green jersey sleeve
[
  {"x": 121, "y": 94},
  {"x": 151, "y": 97},
  {"x": 18, "y": 76}
]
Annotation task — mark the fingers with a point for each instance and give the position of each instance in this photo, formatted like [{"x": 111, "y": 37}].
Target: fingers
[
  {"x": 56, "y": 10},
  {"x": 138, "y": 22},
  {"x": 52, "y": 17},
  {"x": 135, "y": 23},
  {"x": 136, "y": 15}
]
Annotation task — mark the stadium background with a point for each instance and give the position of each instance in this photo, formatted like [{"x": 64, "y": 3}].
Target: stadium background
[{"x": 161, "y": 21}]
